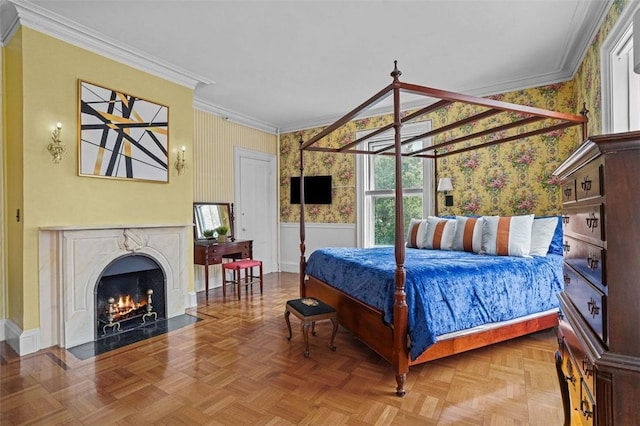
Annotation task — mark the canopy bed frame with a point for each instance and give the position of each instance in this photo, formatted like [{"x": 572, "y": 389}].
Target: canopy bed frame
[{"x": 391, "y": 340}]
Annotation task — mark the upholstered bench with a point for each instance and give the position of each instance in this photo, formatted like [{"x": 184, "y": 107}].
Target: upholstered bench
[
  {"x": 237, "y": 266},
  {"x": 310, "y": 310}
]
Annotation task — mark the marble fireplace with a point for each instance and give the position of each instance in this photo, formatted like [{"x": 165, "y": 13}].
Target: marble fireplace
[{"x": 73, "y": 259}]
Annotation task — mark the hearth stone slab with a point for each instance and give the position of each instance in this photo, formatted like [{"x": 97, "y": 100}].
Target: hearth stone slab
[{"x": 132, "y": 335}]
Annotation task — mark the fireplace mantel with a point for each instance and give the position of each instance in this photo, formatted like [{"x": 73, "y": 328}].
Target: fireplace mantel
[
  {"x": 72, "y": 259},
  {"x": 90, "y": 227}
]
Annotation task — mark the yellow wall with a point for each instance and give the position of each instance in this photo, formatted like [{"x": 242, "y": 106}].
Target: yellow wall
[
  {"x": 13, "y": 136},
  {"x": 54, "y": 194},
  {"x": 214, "y": 141},
  {"x": 3, "y": 249}
]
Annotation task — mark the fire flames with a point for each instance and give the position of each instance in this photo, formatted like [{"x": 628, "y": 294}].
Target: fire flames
[{"x": 125, "y": 305}]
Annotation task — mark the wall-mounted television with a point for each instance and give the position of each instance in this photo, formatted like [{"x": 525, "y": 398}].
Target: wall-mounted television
[{"x": 317, "y": 189}]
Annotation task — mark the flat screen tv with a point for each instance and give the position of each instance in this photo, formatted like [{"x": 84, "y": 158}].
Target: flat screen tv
[{"x": 317, "y": 189}]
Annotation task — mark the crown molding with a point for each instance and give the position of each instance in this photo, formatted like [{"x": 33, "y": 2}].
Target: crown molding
[
  {"x": 42, "y": 20},
  {"x": 9, "y": 21},
  {"x": 581, "y": 37},
  {"x": 234, "y": 116}
]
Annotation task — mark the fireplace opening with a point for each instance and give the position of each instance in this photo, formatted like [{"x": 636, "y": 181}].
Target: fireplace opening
[{"x": 130, "y": 293}]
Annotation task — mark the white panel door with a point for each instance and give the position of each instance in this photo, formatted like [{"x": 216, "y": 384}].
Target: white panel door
[{"x": 255, "y": 208}]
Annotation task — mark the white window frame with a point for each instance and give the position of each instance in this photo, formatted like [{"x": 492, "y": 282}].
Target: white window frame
[
  {"x": 363, "y": 214},
  {"x": 620, "y": 85}
]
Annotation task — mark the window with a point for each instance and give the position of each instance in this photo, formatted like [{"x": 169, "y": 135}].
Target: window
[
  {"x": 620, "y": 84},
  {"x": 376, "y": 187}
]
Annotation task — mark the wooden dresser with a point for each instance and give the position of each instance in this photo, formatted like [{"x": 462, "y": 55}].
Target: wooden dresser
[
  {"x": 211, "y": 252},
  {"x": 598, "y": 358}
]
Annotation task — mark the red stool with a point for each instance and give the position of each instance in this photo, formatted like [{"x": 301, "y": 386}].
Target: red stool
[{"x": 237, "y": 267}]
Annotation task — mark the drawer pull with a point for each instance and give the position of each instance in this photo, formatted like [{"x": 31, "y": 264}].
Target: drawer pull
[
  {"x": 593, "y": 307},
  {"x": 586, "y": 367},
  {"x": 586, "y": 184},
  {"x": 566, "y": 247},
  {"x": 570, "y": 378},
  {"x": 585, "y": 408},
  {"x": 567, "y": 192},
  {"x": 565, "y": 219},
  {"x": 592, "y": 221},
  {"x": 567, "y": 279},
  {"x": 592, "y": 261}
]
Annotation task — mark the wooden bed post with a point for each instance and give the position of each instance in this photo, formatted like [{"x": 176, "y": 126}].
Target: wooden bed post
[
  {"x": 585, "y": 112},
  {"x": 400, "y": 356},
  {"x": 436, "y": 208},
  {"x": 303, "y": 261}
]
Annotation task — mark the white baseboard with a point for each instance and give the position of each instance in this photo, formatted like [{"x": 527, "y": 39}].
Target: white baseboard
[
  {"x": 192, "y": 300},
  {"x": 2, "y": 333},
  {"x": 290, "y": 266},
  {"x": 23, "y": 342}
]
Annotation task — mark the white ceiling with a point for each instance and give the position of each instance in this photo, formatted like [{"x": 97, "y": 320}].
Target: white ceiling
[{"x": 290, "y": 65}]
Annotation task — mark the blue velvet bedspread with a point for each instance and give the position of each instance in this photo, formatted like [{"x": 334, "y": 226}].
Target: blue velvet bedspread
[{"x": 446, "y": 291}]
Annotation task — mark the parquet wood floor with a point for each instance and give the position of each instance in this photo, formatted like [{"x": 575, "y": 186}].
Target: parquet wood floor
[{"x": 236, "y": 367}]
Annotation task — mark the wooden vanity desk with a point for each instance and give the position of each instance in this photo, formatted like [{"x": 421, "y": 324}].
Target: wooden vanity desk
[
  {"x": 211, "y": 252},
  {"x": 208, "y": 251}
]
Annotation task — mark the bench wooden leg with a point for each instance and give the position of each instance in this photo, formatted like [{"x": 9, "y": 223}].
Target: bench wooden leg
[
  {"x": 286, "y": 318},
  {"x": 224, "y": 283},
  {"x": 334, "y": 321},
  {"x": 305, "y": 333},
  {"x": 238, "y": 278}
]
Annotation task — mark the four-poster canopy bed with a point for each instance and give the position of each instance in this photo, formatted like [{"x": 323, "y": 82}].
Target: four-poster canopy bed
[{"x": 388, "y": 329}]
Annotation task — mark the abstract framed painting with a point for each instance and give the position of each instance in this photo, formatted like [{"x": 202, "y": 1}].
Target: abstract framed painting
[{"x": 121, "y": 136}]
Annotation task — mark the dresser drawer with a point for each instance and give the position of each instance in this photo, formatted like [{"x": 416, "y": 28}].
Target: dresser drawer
[
  {"x": 569, "y": 191},
  {"x": 585, "y": 220},
  {"x": 212, "y": 249},
  {"x": 590, "y": 302},
  {"x": 587, "y": 408},
  {"x": 246, "y": 250},
  {"x": 588, "y": 259},
  {"x": 569, "y": 368},
  {"x": 589, "y": 182},
  {"x": 580, "y": 366}
]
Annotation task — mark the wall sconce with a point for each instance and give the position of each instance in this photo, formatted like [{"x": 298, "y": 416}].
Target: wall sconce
[
  {"x": 181, "y": 163},
  {"x": 56, "y": 148},
  {"x": 444, "y": 185}
]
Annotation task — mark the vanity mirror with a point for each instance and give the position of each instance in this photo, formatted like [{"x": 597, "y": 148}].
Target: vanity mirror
[{"x": 211, "y": 216}]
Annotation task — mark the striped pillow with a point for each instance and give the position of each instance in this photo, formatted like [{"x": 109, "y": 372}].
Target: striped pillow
[
  {"x": 468, "y": 234},
  {"x": 417, "y": 231},
  {"x": 506, "y": 236},
  {"x": 440, "y": 233}
]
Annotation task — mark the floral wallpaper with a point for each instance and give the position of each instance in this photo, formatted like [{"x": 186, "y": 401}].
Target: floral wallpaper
[
  {"x": 506, "y": 179},
  {"x": 515, "y": 177}
]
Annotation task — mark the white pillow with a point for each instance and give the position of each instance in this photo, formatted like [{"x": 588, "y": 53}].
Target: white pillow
[
  {"x": 542, "y": 232},
  {"x": 440, "y": 233},
  {"x": 468, "y": 235},
  {"x": 417, "y": 232},
  {"x": 506, "y": 236}
]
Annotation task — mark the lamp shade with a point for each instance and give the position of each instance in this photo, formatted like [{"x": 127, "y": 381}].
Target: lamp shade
[{"x": 444, "y": 184}]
